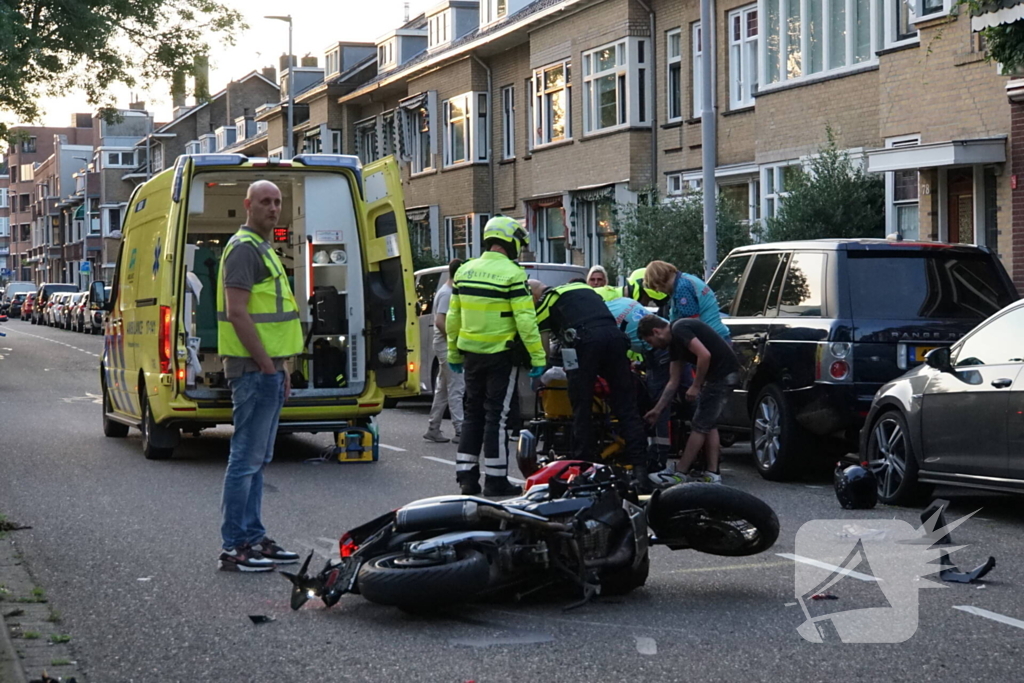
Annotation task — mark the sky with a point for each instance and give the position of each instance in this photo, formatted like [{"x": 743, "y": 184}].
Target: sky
[{"x": 316, "y": 24}]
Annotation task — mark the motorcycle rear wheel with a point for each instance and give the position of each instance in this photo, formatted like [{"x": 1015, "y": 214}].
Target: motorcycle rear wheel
[
  {"x": 400, "y": 581},
  {"x": 713, "y": 519}
]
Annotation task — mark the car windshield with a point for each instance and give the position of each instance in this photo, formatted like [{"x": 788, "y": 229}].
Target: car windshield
[{"x": 930, "y": 284}]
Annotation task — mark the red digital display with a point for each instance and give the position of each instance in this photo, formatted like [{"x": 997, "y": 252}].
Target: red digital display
[{"x": 281, "y": 234}]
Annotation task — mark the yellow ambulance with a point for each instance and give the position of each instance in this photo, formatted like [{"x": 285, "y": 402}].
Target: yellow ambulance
[{"x": 343, "y": 240}]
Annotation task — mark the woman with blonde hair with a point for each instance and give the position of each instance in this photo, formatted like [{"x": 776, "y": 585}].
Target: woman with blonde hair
[{"x": 689, "y": 296}]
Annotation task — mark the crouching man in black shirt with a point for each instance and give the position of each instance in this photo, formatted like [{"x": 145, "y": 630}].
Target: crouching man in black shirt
[{"x": 691, "y": 341}]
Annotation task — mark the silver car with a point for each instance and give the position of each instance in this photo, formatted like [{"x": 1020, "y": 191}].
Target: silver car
[
  {"x": 955, "y": 419},
  {"x": 429, "y": 280}
]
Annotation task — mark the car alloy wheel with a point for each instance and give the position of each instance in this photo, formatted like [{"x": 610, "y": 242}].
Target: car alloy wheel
[
  {"x": 767, "y": 429},
  {"x": 888, "y": 458}
]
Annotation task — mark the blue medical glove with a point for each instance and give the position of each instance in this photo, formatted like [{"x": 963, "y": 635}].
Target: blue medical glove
[
  {"x": 536, "y": 371},
  {"x": 456, "y": 368}
]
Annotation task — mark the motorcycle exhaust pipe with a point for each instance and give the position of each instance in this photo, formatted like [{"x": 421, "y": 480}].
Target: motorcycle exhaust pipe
[{"x": 437, "y": 516}]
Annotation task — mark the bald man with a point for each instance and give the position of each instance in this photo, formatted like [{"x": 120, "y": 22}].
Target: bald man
[{"x": 258, "y": 330}]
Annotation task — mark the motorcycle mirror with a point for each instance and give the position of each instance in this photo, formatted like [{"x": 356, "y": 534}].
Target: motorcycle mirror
[{"x": 303, "y": 587}]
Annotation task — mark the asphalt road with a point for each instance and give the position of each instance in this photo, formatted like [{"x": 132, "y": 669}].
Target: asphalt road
[{"x": 126, "y": 550}]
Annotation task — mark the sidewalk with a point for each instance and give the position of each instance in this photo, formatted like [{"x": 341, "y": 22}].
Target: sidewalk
[{"x": 32, "y": 639}]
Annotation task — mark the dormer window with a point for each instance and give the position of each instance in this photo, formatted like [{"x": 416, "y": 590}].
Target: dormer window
[
  {"x": 332, "y": 62},
  {"x": 386, "y": 55},
  {"x": 440, "y": 29},
  {"x": 492, "y": 10}
]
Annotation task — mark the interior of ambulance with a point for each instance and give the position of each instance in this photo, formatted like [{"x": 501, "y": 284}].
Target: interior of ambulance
[{"x": 318, "y": 242}]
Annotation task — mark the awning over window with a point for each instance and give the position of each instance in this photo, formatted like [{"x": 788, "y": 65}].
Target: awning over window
[
  {"x": 79, "y": 213},
  {"x": 936, "y": 154},
  {"x": 996, "y": 13}
]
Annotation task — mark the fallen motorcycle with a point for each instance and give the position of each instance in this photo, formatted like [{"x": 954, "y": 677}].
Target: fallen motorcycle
[{"x": 578, "y": 524}]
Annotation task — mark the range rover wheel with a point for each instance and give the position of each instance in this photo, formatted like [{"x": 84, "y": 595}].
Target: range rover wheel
[
  {"x": 777, "y": 442},
  {"x": 890, "y": 456}
]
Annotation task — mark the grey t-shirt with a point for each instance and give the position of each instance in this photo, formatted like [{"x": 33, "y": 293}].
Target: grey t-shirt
[
  {"x": 243, "y": 268},
  {"x": 442, "y": 301}
]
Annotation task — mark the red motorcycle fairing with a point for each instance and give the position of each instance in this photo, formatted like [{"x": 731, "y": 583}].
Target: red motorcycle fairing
[{"x": 561, "y": 470}]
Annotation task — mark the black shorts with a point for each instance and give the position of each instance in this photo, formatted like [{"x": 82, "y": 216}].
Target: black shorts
[{"x": 711, "y": 402}]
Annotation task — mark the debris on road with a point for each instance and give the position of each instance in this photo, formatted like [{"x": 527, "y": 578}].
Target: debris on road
[
  {"x": 937, "y": 531},
  {"x": 260, "y": 618},
  {"x": 824, "y": 596}
]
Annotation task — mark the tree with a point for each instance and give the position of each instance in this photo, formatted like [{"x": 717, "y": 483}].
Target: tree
[
  {"x": 673, "y": 231},
  {"x": 51, "y": 48},
  {"x": 829, "y": 198}
]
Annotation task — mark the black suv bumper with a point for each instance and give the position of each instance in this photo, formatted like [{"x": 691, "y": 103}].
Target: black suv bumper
[{"x": 832, "y": 409}]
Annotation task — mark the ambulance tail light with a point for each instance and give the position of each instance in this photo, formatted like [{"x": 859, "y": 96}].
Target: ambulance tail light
[{"x": 164, "y": 339}]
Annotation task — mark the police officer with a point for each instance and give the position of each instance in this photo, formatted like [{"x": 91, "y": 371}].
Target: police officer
[
  {"x": 490, "y": 311},
  {"x": 592, "y": 345},
  {"x": 657, "y": 363}
]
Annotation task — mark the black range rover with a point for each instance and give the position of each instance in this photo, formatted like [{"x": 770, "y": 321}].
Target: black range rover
[{"x": 820, "y": 325}]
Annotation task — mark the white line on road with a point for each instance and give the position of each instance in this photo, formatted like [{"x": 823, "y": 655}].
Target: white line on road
[
  {"x": 392, "y": 448},
  {"x": 830, "y": 567},
  {"x": 646, "y": 646},
  {"x": 1002, "y": 619},
  {"x": 514, "y": 480},
  {"x": 29, "y": 334}
]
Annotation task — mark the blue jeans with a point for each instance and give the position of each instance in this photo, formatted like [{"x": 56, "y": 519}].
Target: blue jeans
[{"x": 256, "y": 400}]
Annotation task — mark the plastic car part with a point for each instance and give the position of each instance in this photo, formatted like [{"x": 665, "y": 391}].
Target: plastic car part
[{"x": 934, "y": 521}]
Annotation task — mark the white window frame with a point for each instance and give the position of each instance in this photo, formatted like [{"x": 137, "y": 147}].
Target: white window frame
[
  {"x": 770, "y": 176},
  {"x": 415, "y": 140},
  {"x": 336, "y": 144},
  {"x": 631, "y": 81},
  {"x": 674, "y": 185},
  {"x": 492, "y": 11},
  {"x": 386, "y": 53},
  {"x": 891, "y": 221},
  {"x": 3, "y": 198},
  {"x": 367, "y": 142},
  {"x": 5, "y": 226},
  {"x": 743, "y": 51},
  {"x": 476, "y": 131},
  {"x": 891, "y": 22},
  {"x": 120, "y": 163},
  {"x": 508, "y": 122},
  {"x": 674, "y": 61},
  {"x": 449, "y": 224},
  {"x": 439, "y": 29},
  {"x": 918, "y": 8},
  {"x": 696, "y": 73},
  {"x": 332, "y": 62},
  {"x": 541, "y": 117},
  {"x": 542, "y": 252},
  {"x": 876, "y": 20},
  {"x": 753, "y": 186},
  {"x": 586, "y": 219}
]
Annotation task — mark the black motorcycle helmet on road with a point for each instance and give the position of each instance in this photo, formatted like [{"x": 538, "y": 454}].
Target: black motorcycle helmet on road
[{"x": 856, "y": 486}]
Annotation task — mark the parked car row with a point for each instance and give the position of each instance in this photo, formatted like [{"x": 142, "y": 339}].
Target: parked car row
[{"x": 61, "y": 305}]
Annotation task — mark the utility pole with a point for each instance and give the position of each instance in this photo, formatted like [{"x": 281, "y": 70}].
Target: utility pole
[
  {"x": 288, "y": 151},
  {"x": 708, "y": 136}
]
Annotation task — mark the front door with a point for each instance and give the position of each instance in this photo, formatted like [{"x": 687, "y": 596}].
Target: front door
[
  {"x": 966, "y": 411},
  {"x": 960, "y": 188}
]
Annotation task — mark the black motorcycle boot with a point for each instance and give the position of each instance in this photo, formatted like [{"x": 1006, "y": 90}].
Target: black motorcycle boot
[
  {"x": 469, "y": 487},
  {"x": 500, "y": 486}
]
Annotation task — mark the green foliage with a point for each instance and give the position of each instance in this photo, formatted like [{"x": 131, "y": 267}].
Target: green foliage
[
  {"x": 1005, "y": 44},
  {"x": 57, "y": 639},
  {"x": 673, "y": 231},
  {"x": 829, "y": 198},
  {"x": 30, "y": 635},
  {"x": 422, "y": 258},
  {"x": 51, "y": 48}
]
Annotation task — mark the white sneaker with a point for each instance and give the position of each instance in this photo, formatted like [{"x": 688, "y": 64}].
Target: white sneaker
[
  {"x": 667, "y": 477},
  {"x": 710, "y": 478},
  {"x": 436, "y": 436}
]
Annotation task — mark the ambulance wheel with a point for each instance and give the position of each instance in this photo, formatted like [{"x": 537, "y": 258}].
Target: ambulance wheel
[
  {"x": 153, "y": 434},
  {"x": 114, "y": 430}
]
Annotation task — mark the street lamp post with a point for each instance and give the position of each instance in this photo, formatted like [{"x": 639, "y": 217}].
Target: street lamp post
[{"x": 289, "y": 152}]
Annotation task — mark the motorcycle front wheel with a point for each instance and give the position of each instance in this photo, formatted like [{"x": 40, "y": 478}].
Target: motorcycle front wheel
[
  {"x": 414, "y": 584},
  {"x": 713, "y": 519}
]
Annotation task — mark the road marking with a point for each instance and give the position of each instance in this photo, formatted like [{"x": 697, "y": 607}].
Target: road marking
[
  {"x": 830, "y": 567},
  {"x": 29, "y": 334},
  {"x": 514, "y": 480},
  {"x": 978, "y": 612},
  {"x": 392, "y": 448},
  {"x": 751, "y": 565},
  {"x": 646, "y": 646}
]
